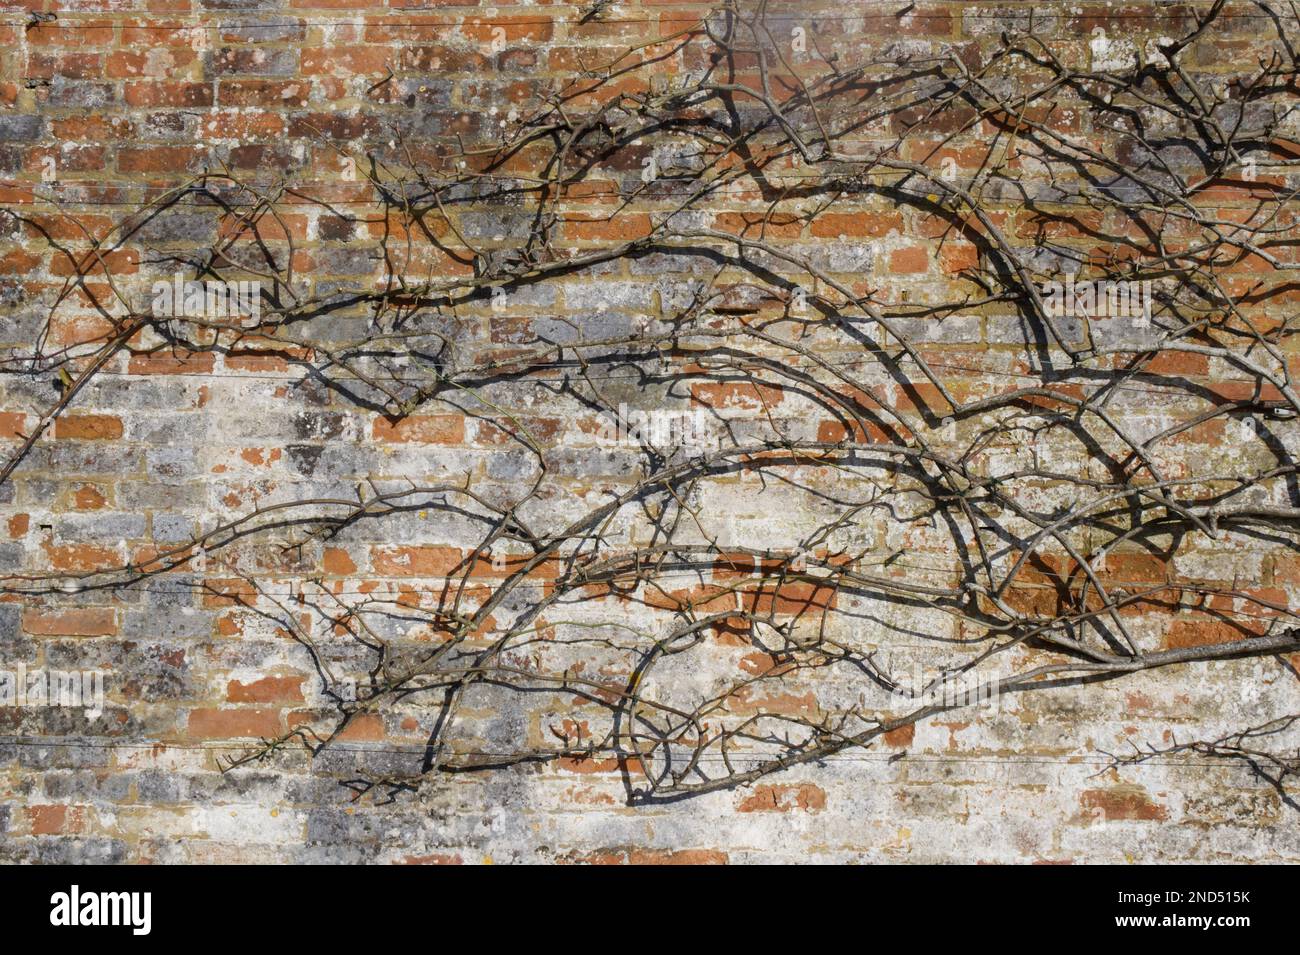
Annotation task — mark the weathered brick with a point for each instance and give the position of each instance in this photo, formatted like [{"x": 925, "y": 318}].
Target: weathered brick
[
  {"x": 188, "y": 429},
  {"x": 91, "y": 622},
  {"x": 88, "y": 427},
  {"x": 234, "y": 723}
]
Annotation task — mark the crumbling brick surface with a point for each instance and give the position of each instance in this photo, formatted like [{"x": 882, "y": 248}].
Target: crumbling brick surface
[{"x": 298, "y": 109}]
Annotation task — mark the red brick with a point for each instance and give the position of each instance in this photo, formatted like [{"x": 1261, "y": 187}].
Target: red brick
[
  {"x": 269, "y": 689},
  {"x": 88, "y": 427},
  {"x": 82, "y": 557},
  {"x": 703, "y": 599},
  {"x": 759, "y": 225},
  {"x": 234, "y": 723},
  {"x": 739, "y": 394},
  {"x": 910, "y": 260},
  {"x": 168, "y": 159},
  {"x": 415, "y": 561},
  {"x": 172, "y": 363},
  {"x": 901, "y": 737},
  {"x": 677, "y": 857},
  {"x": 623, "y": 227},
  {"x": 147, "y": 94},
  {"x": 804, "y": 797},
  {"x": 13, "y": 424},
  {"x": 857, "y": 225},
  {"x": 55, "y": 820},
  {"x": 421, "y": 429},
  {"x": 1124, "y": 803},
  {"x": 1183, "y": 634},
  {"x": 87, "y": 622},
  {"x": 530, "y": 27},
  {"x": 356, "y": 60},
  {"x": 335, "y": 560}
]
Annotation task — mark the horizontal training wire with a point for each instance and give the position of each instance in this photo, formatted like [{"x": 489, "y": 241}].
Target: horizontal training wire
[
  {"x": 420, "y": 749},
  {"x": 324, "y": 589},
  {"x": 294, "y": 202},
  {"x": 572, "y": 372}
]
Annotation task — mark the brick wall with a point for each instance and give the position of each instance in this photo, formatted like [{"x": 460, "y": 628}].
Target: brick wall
[{"x": 288, "y": 106}]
